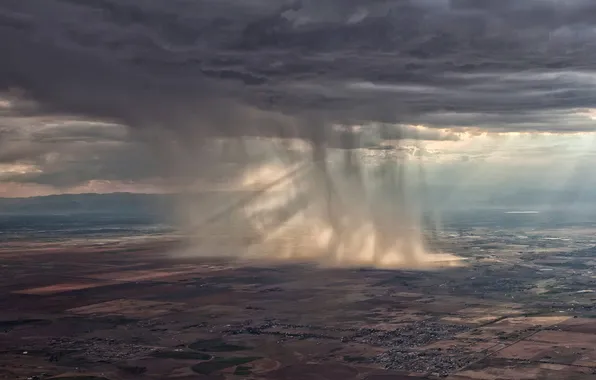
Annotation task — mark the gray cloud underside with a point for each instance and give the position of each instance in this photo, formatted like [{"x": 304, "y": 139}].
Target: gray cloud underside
[
  {"x": 171, "y": 68},
  {"x": 67, "y": 153},
  {"x": 407, "y": 61}
]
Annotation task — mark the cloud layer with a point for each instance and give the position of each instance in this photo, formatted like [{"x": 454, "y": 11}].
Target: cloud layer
[
  {"x": 363, "y": 60},
  {"x": 175, "y": 71}
]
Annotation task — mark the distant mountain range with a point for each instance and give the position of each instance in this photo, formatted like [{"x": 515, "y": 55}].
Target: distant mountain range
[
  {"x": 127, "y": 213},
  {"x": 122, "y": 203},
  {"x": 132, "y": 203}
]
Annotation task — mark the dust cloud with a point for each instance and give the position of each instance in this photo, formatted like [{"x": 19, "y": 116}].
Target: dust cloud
[{"x": 344, "y": 196}]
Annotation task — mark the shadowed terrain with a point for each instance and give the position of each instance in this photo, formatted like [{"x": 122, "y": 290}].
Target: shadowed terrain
[{"x": 521, "y": 308}]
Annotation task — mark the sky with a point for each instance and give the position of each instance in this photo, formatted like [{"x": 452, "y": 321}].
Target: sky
[{"x": 496, "y": 96}]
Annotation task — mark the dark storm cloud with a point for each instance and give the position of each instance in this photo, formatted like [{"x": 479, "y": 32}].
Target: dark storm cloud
[
  {"x": 183, "y": 69},
  {"x": 174, "y": 62}
]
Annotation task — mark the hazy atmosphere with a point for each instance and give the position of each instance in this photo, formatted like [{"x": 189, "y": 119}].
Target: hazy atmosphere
[
  {"x": 111, "y": 96},
  {"x": 409, "y": 185}
]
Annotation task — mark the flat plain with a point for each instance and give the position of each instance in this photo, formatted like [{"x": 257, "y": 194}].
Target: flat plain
[{"x": 521, "y": 307}]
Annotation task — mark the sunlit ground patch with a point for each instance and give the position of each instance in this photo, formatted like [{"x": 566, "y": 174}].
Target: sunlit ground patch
[{"x": 61, "y": 288}]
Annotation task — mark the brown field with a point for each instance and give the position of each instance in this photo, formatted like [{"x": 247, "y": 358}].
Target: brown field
[{"x": 137, "y": 313}]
